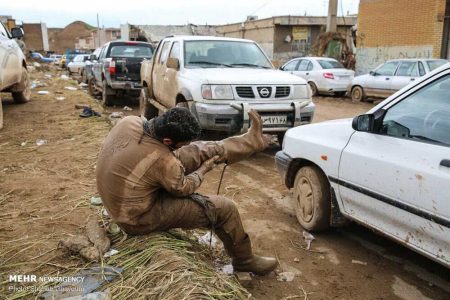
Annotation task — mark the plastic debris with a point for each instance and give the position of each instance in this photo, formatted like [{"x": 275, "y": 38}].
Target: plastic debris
[
  {"x": 228, "y": 269},
  {"x": 43, "y": 92},
  {"x": 70, "y": 88},
  {"x": 286, "y": 276},
  {"x": 23, "y": 144},
  {"x": 358, "y": 262},
  {"x": 60, "y": 98},
  {"x": 296, "y": 260},
  {"x": 110, "y": 253},
  {"x": 33, "y": 85},
  {"x": 308, "y": 239},
  {"x": 105, "y": 212},
  {"x": 127, "y": 108},
  {"x": 83, "y": 85},
  {"x": 36, "y": 64},
  {"x": 65, "y": 77},
  {"x": 41, "y": 142},
  {"x": 207, "y": 239},
  {"x": 48, "y": 76},
  {"x": 96, "y": 201},
  {"x": 117, "y": 114}
]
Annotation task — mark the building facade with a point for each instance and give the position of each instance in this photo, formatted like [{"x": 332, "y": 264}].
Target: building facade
[
  {"x": 401, "y": 29},
  {"x": 97, "y": 38},
  {"x": 36, "y": 36}
]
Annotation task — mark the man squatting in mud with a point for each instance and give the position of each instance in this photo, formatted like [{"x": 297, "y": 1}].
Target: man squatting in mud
[{"x": 148, "y": 171}]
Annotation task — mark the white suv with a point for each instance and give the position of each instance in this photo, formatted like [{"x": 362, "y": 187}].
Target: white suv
[
  {"x": 388, "y": 169},
  {"x": 13, "y": 69}
]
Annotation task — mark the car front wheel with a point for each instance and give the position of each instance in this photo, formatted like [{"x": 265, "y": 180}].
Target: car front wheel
[
  {"x": 358, "y": 94},
  {"x": 312, "y": 199}
]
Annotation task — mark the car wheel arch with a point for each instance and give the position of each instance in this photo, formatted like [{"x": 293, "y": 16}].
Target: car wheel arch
[{"x": 295, "y": 166}]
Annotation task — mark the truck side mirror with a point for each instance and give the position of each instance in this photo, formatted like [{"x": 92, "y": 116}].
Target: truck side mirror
[
  {"x": 17, "y": 32},
  {"x": 363, "y": 123},
  {"x": 93, "y": 57},
  {"x": 173, "y": 63}
]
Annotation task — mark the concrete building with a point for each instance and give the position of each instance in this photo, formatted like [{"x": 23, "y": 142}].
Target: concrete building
[
  {"x": 401, "y": 29},
  {"x": 36, "y": 36},
  {"x": 97, "y": 38},
  {"x": 8, "y": 21},
  {"x": 285, "y": 37}
]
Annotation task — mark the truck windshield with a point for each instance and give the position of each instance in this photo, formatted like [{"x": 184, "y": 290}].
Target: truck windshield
[
  {"x": 131, "y": 51},
  {"x": 219, "y": 54}
]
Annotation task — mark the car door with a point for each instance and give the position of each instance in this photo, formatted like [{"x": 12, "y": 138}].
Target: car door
[
  {"x": 302, "y": 69},
  {"x": 170, "y": 77},
  {"x": 10, "y": 64},
  {"x": 396, "y": 178},
  {"x": 380, "y": 80},
  {"x": 98, "y": 66},
  {"x": 159, "y": 72},
  {"x": 406, "y": 73}
]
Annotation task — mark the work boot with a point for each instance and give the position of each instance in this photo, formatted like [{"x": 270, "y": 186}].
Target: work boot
[
  {"x": 243, "y": 259},
  {"x": 240, "y": 147}
]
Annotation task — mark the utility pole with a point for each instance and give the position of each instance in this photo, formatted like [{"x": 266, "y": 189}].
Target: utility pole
[
  {"x": 98, "y": 32},
  {"x": 332, "y": 16}
]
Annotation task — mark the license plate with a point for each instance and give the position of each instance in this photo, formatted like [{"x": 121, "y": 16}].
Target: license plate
[{"x": 274, "y": 120}]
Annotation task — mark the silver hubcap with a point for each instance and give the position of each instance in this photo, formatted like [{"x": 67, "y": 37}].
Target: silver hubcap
[
  {"x": 305, "y": 199},
  {"x": 356, "y": 94}
]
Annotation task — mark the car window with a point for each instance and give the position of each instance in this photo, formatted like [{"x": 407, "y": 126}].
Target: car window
[
  {"x": 421, "y": 69},
  {"x": 424, "y": 115},
  {"x": 139, "y": 51},
  {"x": 175, "y": 52},
  {"x": 330, "y": 64},
  {"x": 291, "y": 66},
  {"x": 433, "y": 64},
  {"x": 3, "y": 31},
  {"x": 407, "y": 68},
  {"x": 387, "y": 69},
  {"x": 303, "y": 65},
  {"x": 309, "y": 67},
  {"x": 164, "y": 52}
]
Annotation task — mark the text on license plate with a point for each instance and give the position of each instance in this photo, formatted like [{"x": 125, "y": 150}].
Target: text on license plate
[{"x": 274, "y": 120}]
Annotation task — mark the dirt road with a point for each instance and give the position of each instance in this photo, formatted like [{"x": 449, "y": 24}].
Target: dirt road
[{"x": 45, "y": 191}]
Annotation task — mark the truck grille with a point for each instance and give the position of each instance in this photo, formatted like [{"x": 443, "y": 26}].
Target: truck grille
[
  {"x": 264, "y": 91},
  {"x": 282, "y": 91},
  {"x": 245, "y": 92}
]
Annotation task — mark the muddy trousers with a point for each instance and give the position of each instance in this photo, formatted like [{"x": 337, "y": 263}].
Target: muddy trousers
[{"x": 171, "y": 212}]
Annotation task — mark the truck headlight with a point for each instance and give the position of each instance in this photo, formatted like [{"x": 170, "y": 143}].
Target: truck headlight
[
  {"x": 217, "y": 92},
  {"x": 302, "y": 91}
]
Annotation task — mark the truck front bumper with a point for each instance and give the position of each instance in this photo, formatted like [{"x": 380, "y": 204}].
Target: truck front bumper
[
  {"x": 126, "y": 85},
  {"x": 233, "y": 118},
  {"x": 282, "y": 161}
]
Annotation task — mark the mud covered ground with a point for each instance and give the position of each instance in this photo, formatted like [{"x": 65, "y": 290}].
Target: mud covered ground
[{"x": 45, "y": 191}]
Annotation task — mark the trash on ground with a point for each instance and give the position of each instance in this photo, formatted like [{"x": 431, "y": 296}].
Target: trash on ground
[
  {"x": 89, "y": 112},
  {"x": 110, "y": 253},
  {"x": 65, "y": 77},
  {"x": 228, "y": 269},
  {"x": 127, "y": 108},
  {"x": 286, "y": 276},
  {"x": 23, "y": 144},
  {"x": 105, "y": 212},
  {"x": 207, "y": 239},
  {"x": 93, "y": 278},
  {"x": 41, "y": 142},
  {"x": 36, "y": 65},
  {"x": 71, "y": 88},
  {"x": 60, "y": 98},
  {"x": 296, "y": 260},
  {"x": 308, "y": 239},
  {"x": 96, "y": 201},
  {"x": 43, "y": 92},
  {"x": 117, "y": 114},
  {"x": 83, "y": 85},
  {"x": 358, "y": 262},
  {"x": 48, "y": 76},
  {"x": 33, "y": 85}
]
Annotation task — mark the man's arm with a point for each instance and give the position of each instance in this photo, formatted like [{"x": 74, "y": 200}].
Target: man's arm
[{"x": 193, "y": 155}]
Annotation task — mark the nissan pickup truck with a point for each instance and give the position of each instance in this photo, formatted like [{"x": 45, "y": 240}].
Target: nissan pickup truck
[
  {"x": 220, "y": 79},
  {"x": 117, "y": 70},
  {"x": 13, "y": 70}
]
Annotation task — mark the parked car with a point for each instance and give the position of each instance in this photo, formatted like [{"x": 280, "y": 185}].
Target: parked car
[
  {"x": 117, "y": 70},
  {"x": 77, "y": 64},
  {"x": 388, "y": 169},
  {"x": 324, "y": 74},
  {"x": 40, "y": 58},
  {"x": 56, "y": 58},
  {"x": 390, "y": 77},
  {"x": 87, "y": 73},
  {"x": 219, "y": 80},
  {"x": 14, "y": 77}
]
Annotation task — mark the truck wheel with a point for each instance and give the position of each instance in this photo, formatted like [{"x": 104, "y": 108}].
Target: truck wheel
[
  {"x": 313, "y": 87},
  {"x": 146, "y": 109},
  {"x": 106, "y": 97},
  {"x": 92, "y": 89},
  {"x": 312, "y": 199},
  {"x": 358, "y": 94},
  {"x": 25, "y": 95}
]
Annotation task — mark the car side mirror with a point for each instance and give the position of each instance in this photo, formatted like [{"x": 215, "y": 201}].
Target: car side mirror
[
  {"x": 281, "y": 68},
  {"x": 17, "y": 32},
  {"x": 363, "y": 123},
  {"x": 93, "y": 57},
  {"x": 173, "y": 63},
  {"x": 373, "y": 73}
]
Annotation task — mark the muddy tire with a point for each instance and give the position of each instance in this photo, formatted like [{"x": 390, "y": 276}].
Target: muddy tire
[
  {"x": 146, "y": 109},
  {"x": 357, "y": 94},
  {"x": 312, "y": 199},
  {"x": 107, "y": 99},
  {"x": 25, "y": 95},
  {"x": 314, "y": 91},
  {"x": 92, "y": 90},
  {"x": 1, "y": 113}
]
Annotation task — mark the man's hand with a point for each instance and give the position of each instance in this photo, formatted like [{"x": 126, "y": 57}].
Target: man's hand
[{"x": 208, "y": 165}]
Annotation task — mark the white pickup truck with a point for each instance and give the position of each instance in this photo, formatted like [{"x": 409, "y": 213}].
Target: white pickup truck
[
  {"x": 219, "y": 80},
  {"x": 13, "y": 68},
  {"x": 388, "y": 169}
]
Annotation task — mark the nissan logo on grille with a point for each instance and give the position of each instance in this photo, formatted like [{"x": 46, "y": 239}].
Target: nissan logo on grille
[{"x": 264, "y": 92}]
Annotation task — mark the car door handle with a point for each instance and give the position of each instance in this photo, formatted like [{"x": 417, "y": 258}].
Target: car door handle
[
  {"x": 412, "y": 79},
  {"x": 387, "y": 78},
  {"x": 445, "y": 163}
]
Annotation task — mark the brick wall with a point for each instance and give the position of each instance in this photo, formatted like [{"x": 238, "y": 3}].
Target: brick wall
[{"x": 33, "y": 36}]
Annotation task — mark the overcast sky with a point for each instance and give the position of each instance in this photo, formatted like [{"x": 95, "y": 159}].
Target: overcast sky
[{"x": 112, "y": 13}]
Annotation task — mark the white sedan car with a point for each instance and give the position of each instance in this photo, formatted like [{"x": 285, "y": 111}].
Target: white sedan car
[
  {"x": 324, "y": 75},
  {"x": 391, "y": 76},
  {"x": 77, "y": 64},
  {"x": 388, "y": 169}
]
